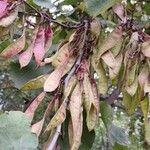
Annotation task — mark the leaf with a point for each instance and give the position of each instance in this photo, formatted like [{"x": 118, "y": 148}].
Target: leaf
[
  {"x": 76, "y": 109},
  {"x": 58, "y": 118},
  {"x": 90, "y": 103},
  {"x": 120, "y": 147},
  {"x": 118, "y": 135},
  {"x": 120, "y": 12},
  {"x": 143, "y": 76},
  {"x": 109, "y": 59},
  {"x": 37, "y": 127},
  {"x": 9, "y": 18},
  {"x": 33, "y": 106},
  {"x": 147, "y": 85},
  {"x": 26, "y": 56},
  {"x": 106, "y": 114},
  {"x": 131, "y": 89},
  {"x": 87, "y": 136},
  {"x": 131, "y": 102},
  {"x": 112, "y": 39},
  {"x": 35, "y": 83},
  {"x": 145, "y": 107},
  {"x": 22, "y": 76},
  {"x": 61, "y": 55},
  {"x": 70, "y": 86},
  {"x": 146, "y": 48},
  {"x": 39, "y": 45},
  {"x": 3, "y": 6},
  {"x": 53, "y": 81},
  {"x": 113, "y": 72},
  {"x": 102, "y": 80},
  {"x": 15, "y": 132},
  {"x": 96, "y": 7},
  {"x": 131, "y": 72},
  {"x": 14, "y": 48},
  {"x": 117, "y": 48},
  {"x": 96, "y": 27},
  {"x": 48, "y": 37}
]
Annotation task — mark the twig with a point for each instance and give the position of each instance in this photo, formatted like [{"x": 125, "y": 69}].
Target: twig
[
  {"x": 55, "y": 138},
  {"x": 47, "y": 17}
]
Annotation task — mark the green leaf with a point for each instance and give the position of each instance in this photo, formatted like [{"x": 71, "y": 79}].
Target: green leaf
[
  {"x": 119, "y": 147},
  {"x": 21, "y": 76},
  {"x": 118, "y": 135},
  {"x": 87, "y": 137},
  {"x": 96, "y": 7},
  {"x": 147, "y": 8},
  {"x": 106, "y": 114},
  {"x": 15, "y": 132}
]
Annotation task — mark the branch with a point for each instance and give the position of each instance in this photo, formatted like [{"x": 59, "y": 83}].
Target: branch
[
  {"x": 48, "y": 18},
  {"x": 55, "y": 138}
]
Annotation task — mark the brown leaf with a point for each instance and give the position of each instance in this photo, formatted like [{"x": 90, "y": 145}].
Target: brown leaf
[
  {"x": 75, "y": 107},
  {"x": 95, "y": 27},
  {"x": 54, "y": 78},
  {"x": 61, "y": 55},
  {"x": 119, "y": 10},
  {"x": 146, "y": 48},
  {"x": 112, "y": 39},
  {"x": 131, "y": 89},
  {"x": 39, "y": 45},
  {"x": 90, "y": 103},
  {"x": 113, "y": 72},
  {"x": 142, "y": 78},
  {"x": 103, "y": 79},
  {"x": 26, "y": 56},
  {"x": 48, "y": 37},
  {"x": 33, "y": 106},
  {"x": 58, "y": 118},
  {"x": 109, "y": 59},
  {"x": 147, "y": 85},
  {"x": 35, "y": 83},
  {"x": 70, "y": 86},
  {"x": 37, "y": 127},
  {"x": 9, "y": 18},
  {"x": 14, "y": 48}
]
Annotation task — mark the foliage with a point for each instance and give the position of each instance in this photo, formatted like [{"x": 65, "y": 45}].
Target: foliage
[{"x": 67, "y": 56}]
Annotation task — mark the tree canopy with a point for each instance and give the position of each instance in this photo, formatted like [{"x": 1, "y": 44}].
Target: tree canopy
[{"x": 80, "y": 57}]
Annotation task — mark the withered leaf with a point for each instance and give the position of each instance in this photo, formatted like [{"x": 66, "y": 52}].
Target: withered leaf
[
  {"x": 75, "y": 107},
  {"x": 3, "y": 6},
  {"x": 90, "y": 103},
  {"x": 143, "y": 76},
  {"x": 37, "y": 127},
  {"x": 9, "y": 18},
  {"x": 14, "y": 48},
  {"x": 113, "y": 72},
  {"x": 35, "y": 83},
  {"x": 119, "y": 10},
  {"x": 26, "y": 56},
  {"x": 58, "y": 118},
  {"x": 146, "y": 48},
  {"x": 70, "y": 86},
  {"x": 48, "y": 37},
  {"x": 33, "y": 106},
  {"x": 39, "y": 45},
  {"x": 52, "y": 82},
  {"x": 112, "y": 39},
  {"x": 102, "y": 80}
]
